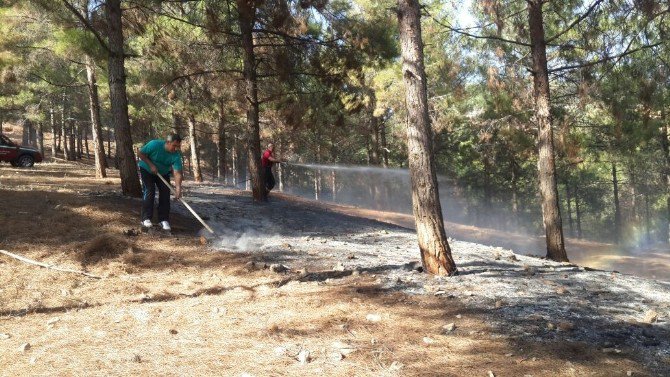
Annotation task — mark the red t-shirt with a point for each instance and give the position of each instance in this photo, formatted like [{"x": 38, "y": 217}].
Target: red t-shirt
[{"x": 265, "y": 160}]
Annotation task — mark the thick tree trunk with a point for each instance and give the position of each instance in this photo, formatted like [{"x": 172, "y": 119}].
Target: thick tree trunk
[
  {"x": 617, "y": 207},
  {"x": 221, "y": 168},
  {"x": 195, "y": 157},
  {"x": 130, "y": 183},
  {"x": 52, "y": 121},
  {"x": 435, "y": 251},
  {"x": 551, "y": 213},
  {"x": 247, "y": 18},
  {"x": 96, "y": 124}
]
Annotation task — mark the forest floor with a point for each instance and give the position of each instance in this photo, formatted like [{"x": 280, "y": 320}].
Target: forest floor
[{"x": 351, "y": 302}]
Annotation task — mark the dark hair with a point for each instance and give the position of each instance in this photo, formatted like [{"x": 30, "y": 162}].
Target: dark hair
[{"x": 173, "y": 137}]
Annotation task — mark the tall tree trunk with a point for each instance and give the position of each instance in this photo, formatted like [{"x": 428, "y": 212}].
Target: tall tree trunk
[
  {"x": 578, "y": 213},
  {"x": 617, "y": 207},
  {"x": 666, "y": 175},
  {"x": 247, "y": 18},
  {"x": 195, "y": 157},
  {"x": 96, "y": 124},
  {"x": 130, "y": 183},
  {"x": 384, "y": 146},
  {"x": 221, "y": 168},
  {"x": 26, "y": 128},
  {"x": 435, "y": 250},
  {"x": 568, "y": 199},
  {"x": 65, "y": 130},
  {"x": 88, "y": 155},
  {"x": 79, "y": 139},
  {"x": 551, "y": 213},
  {"x": 40, "y": 137},
  {"x": 235, "y": 162},
  {"x": 72, "y": 141},
  {"x": 52, "y": 120},
  {"x": 280, "y": 175},
  {"x": 109, "y": 145}
]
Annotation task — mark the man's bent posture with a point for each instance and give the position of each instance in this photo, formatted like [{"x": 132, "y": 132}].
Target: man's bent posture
[{"x": 159, "y": 157}]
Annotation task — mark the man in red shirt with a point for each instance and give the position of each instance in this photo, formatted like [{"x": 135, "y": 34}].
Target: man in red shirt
[{"x": 266, "y": 163}]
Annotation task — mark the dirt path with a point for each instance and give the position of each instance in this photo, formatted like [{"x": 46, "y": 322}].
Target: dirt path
[{"x": 350, "y": 304}]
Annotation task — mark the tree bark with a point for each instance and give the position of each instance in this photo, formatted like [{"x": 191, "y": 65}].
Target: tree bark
[
  {"x": 247, "y": 18},
  {"x": 221, "y": 168},
  {"x": 435, "y": 250},
  {"x": 617, "y": 207},
  {"x": 568, "y": 199},
  {"x": 130, "y": 183},
  {"x": 79, "y": 139},
  {"x": 88, "y": 155},
  {"x": 52, "y": 120},
  {"x": 72, "y": 141},
  {"x": 384, "y": 146},
  {"x": 40, "y": 137},
  {"x": 96, "y": 124},
  {"x": 551, "y": 213},
  {"x": 666, "y": 175}
]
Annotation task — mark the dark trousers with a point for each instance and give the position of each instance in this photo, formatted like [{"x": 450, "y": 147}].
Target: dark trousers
[
  {"x": 269, "y": 178},
  {"x": 149, "y": 183}
]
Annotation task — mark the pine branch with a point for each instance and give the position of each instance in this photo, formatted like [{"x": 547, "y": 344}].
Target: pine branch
[
  {"x": 86, "y": 24},
  {"x": 627, "y": 52},
  {"x": 490, "y": 37},
  {"x": 576, "y": 21}
]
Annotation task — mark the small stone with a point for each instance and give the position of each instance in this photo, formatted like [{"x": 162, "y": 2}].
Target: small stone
[
  {"x": 302, "y": 271},
  {"x": 250, "y": 266},
  {"x": 551, "y": 326},
  {"x": 203, "y": 240},
  {"x": 335, "y": 356},
  {"x": 356, "y": 271},
  {"x": 278, "y": 268},
  {"x": 351, "y": 256},
  {"x": 650, "y": 317},
  {"x": 629, "y": 373},
  {"x": 561, "y": 290},
  {"x": 439, "y": 293},
  {"x": 373, "y": 317},
  {"x": 509, "y": 354},
  {"x": 499, "y": 304},
  {"x": 343, "y": 348},
  {"x": 459, "y": 316},
  {"x": 449, "y": 327},
  {"x": 173, "y": 331},
  {"x": 33, "y": 360},
  {"x": 4, "y": 336},
  {"x": 280, "y": 351},
  {"x": 395, "y": 366},
  {"x": 491, "y": 374},
  {"x": 53, "y": 321},
  {"x": 428, "y": 340},
  {"x": 338, "y": 267},
  {"x": 304, "y": 357},
  {"x": 24, "y": 347}
]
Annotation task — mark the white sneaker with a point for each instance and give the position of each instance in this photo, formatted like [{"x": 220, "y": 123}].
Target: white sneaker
[
  {"x": 166, "y": 226},
  {"x": 147, "y": 223}
]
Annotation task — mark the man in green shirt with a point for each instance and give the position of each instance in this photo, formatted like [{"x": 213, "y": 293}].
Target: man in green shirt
[{"x": 159, "y": 157}]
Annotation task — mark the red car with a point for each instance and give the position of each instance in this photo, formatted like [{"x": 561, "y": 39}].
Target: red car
[{"x": 18, "y": 155}]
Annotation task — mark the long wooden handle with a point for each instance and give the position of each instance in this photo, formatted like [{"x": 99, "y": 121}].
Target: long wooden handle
[{"x": 186, "y": 205}]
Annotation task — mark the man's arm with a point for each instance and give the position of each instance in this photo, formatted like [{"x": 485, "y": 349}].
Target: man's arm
[
  {"x": 177, "y": 183},
  {"x": 272, "y": 159},
  {"x": 147, "y": 160}
]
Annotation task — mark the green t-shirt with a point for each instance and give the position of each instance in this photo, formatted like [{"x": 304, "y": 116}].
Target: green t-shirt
[{"x": 164, "y": 160}]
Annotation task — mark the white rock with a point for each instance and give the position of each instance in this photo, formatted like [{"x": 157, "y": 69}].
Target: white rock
[
  {"x": 428, "y": 340},
  {"x": 338, "y": 267},
  {"x": 343, "y": 348},
  {"x": 395, "y": 366},
  {"x": 336, "y": 356},
  {"x": 491, "y": 374},
  {"x": 53, "y": 320},
  {"x": 449, "y": 327},
  {"x": 280, "y": 351},
  {"x": 304, "y": 357},
  {"x": 5, "y": 336},
  {"x": 373, "y": 317},
  {"x": 24, "y": 347},
  {"x": 33, "y": 360}
]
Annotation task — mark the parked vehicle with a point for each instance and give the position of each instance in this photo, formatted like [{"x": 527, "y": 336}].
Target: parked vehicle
[{"x": 18, "y": 155}]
